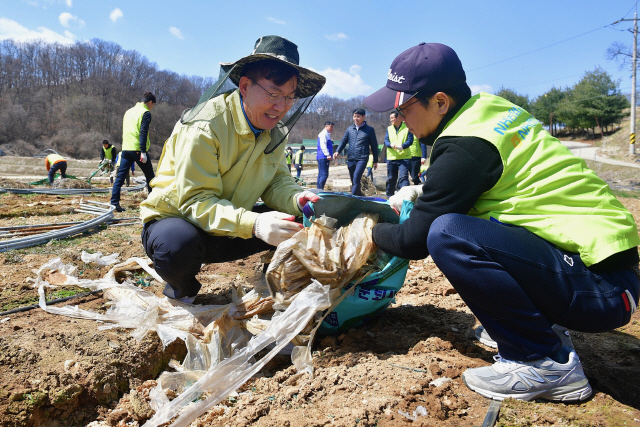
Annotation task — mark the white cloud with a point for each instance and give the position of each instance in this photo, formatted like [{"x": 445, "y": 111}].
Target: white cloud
[
  {"x": 176, "y": 32},
  {"x": 67, "y": 19},
  {"x": 336, "y": 37},
  {"x": 342, "y": 84},
  {"x": 276, "y": 21},
  {"x": 69, "y": 3},
  {"x": 476, "y": 89},
  {"x": 115, "y": 14},
  {"x": 12, "y": 30},
  {"x": 69, "y": 34}
]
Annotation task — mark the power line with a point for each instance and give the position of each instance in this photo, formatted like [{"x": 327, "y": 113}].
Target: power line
[{"x": 541, "y": 48}]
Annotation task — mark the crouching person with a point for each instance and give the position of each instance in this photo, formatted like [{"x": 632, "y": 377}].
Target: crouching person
[
  {"x": 524, "y": 231},
  {"x": 223, "y": 156}
]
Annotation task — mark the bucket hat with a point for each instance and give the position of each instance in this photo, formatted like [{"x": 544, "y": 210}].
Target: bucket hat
[{"x": 279, "y": 49}]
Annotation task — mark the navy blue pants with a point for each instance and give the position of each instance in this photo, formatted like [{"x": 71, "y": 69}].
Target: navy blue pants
[
  {"x": 128, "y": 158},
  {"x": 397, "y": 175},
  {"x": 370, "y": 173},
  {"x": 298, "y": 170},
  {"x": 323, "y": 172},
  {"x": 178, "y": 249},
  {"x": 518, "y": 285},
  {"x": 414, "y": 169},
  {"x": 356, "y": 169},
  {"x": 60, "y": 166}
]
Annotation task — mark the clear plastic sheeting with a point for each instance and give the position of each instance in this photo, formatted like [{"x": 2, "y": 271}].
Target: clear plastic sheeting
[
  {"x": 216, "y": 384},
  {"x": 308, "y": 274},
  {"x": 97, "y": 258}
]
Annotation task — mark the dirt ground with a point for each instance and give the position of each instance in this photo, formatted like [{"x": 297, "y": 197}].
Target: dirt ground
[{"x": 57, "y": 371}]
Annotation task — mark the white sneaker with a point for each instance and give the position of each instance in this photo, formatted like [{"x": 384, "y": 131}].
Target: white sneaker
[
  {"x": 540, "y": 379},
  {"x": 483, "y": 336}
]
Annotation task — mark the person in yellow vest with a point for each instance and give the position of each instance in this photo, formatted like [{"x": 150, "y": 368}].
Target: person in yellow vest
[
  {"x": 398, "y": 140},
  {"x": 55, "y": 163},
  {"x": 417, "y": 154},
  {"x": 298, "y": 160},
  {"x": 370, "y": 167},
  {"x": 135, "y": 145},
  {"x": 529, "y": 237},
  {"x": 110, "y": 153},
  {"x": 288, "y": 154},
  {"x": 114, "y": 173}
]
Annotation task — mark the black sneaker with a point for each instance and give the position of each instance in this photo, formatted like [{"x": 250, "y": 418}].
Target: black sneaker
[{"x": 119, "y": 208}]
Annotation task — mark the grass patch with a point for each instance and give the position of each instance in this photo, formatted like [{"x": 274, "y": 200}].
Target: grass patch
[{"x": 627, "y": 193}]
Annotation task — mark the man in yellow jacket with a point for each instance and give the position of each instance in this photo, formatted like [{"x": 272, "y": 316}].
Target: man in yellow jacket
[{"x": 217, "y": 164}]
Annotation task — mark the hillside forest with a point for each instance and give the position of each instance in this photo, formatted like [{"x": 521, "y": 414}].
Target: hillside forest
[{"x": 71, "y": 97}]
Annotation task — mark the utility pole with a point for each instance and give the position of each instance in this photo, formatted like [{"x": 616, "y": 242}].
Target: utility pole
[
  {"x": 632, "y": 125},
  {"x": 632, "y": 130}
]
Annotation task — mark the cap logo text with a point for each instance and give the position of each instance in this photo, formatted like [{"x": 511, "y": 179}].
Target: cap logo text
[{"x": 394, "y": 77}]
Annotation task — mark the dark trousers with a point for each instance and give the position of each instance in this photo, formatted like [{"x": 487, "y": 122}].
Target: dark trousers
[
  {"x": 298, "y": 170},
  {"x": 323, "y": 172},
  {"x": 127, "y": 158},
  {"x": 518, "y": 285},
  {"x": 178, "y": 249},
  {"x": 289, "y": 166},
  {"x": 356, "y": 169},
  {"x": 414, "y": 169},
  {"x": 397, "y": 175},
  {"x": 60, "y": 166}
]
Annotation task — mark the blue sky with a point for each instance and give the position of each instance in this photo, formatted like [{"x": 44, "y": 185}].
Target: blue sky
[{"x": 351, "y": 43}]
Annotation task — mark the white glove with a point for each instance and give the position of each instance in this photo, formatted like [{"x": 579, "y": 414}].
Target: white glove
[
  {"x": 143, "y": 157},
  {"x": 275, "y": 227},
  {"x": 410, "y": 192},
  {"x": 304, "y": 197}
]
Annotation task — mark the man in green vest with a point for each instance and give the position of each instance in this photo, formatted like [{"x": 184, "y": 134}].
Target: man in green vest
[
  {"x": 398, "y": 140},
  {"x": 135, "y": 145},
  {"x": 288, "y": 155},
  {"x": 55, "y": 163},
  {"x": 108, "y": 152},
  {"x": 524, "y": 231},
  {"x": 298, "y": 159}
]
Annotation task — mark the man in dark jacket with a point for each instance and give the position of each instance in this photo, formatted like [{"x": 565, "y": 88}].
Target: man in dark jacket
[
  {"x": 361, "y": 139},
  {"x": 522, "y": 229}
]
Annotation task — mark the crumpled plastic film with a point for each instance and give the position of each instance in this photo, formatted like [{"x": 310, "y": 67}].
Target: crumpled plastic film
[
  {"x": 234, "y": 371},
  {"x": 98, "y": 258},
  {"x": 320, "y": 252}
]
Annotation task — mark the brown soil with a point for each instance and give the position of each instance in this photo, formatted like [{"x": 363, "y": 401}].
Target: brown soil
[{"x": 57, "y": 371}]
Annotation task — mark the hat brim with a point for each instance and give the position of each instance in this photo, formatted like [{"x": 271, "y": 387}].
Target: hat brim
[
  {"x": 386, "y": 99},
  {"x": 309, "y": 82}
]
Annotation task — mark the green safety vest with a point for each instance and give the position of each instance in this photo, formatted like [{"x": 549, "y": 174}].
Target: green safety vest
[
  {"x": 398, "y": 137},
  {"x": 131, "y": 128},
  {"x": 299, "y": 157},
  {"x": 415, "y": 149},
  {"x": 544, "y": 187},
  {"x": 53, "y": 158},
  {"x": 108, "y": 152},
  {"x": 370, "y": 161},
  {"x": 288, "y": 156}
]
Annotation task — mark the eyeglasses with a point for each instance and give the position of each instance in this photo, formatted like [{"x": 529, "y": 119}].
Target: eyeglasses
[
  {"x": 275, "y": 98},
  {"x": 399, "y": 110}
]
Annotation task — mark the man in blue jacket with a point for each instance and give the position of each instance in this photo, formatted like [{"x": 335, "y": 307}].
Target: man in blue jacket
[{"x": 361, "y": 139}]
